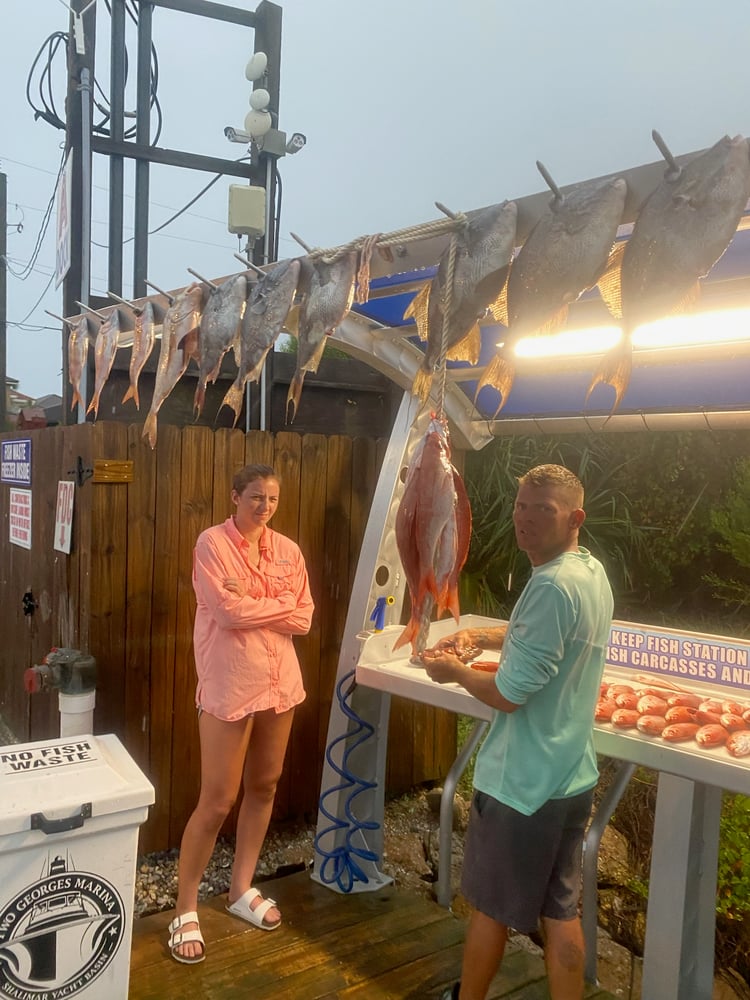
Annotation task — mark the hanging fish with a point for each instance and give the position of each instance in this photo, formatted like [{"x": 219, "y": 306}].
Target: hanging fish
[
  {"x": 78, "y": 352},
  {"x": 144, "y": 338},
  {"x": 566, "y": 253},
  {"x": 219, "y": 330},
  {"x": 433, "y": 532},
  {"x": 179, "y": 343},
  {"x": 327, "y": 292},
  {"x": 267, "y": 307},
  {"x": 483, "y": 255},
  {"x": 682, "y": 229},
  {"x": 105, "y": 349}
]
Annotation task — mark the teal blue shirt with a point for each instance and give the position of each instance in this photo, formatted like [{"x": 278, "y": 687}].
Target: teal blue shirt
[{"x": 551, "y": 665}]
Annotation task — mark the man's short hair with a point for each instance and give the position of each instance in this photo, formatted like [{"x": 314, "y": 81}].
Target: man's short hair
[{"x": 555, "y": 475}]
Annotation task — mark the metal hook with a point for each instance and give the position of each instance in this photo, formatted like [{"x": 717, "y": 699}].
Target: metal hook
[
  {"x": 549, "y": 181},
  {"x": 136, "y": 309},
  {"x": 211, "y": 284},
  {"x": 167, "y": 296},
  {"x": 674, "y": 167}
]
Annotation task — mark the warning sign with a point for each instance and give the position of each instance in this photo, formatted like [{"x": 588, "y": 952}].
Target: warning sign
[
  {"x": 64, "y": 515},
  {"x": 20, "y": 518},
  {"x": 54, "y": 755}
]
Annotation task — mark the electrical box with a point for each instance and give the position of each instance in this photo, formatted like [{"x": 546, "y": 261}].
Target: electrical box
[{"x": 247, "y": 210}]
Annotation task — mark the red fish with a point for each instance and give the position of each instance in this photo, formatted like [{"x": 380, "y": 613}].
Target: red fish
[{"x": 433, "y": 531}]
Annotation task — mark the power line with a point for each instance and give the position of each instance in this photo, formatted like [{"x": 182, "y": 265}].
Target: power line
[{"x": 36, "y": 304}]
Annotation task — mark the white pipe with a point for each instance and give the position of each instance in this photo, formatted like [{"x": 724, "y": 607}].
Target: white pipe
[{"x": 77, "y": 713}]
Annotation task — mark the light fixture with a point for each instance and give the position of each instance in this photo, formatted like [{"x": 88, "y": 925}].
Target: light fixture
[
  {"x": 704, "y": 329},
  {"x": 256, "y": 66}
]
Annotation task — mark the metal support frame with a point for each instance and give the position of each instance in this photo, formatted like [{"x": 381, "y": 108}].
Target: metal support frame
[
  {"x": 592, "y": 841},
  {"x": 678, "y": 959},
  {"x": 445, "y": 837},
  {"x": 378, "y": 574}
]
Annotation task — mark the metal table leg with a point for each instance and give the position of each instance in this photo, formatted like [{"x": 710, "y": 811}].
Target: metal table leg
[
  {"x": 446, "y": 812},
  {"x": 591, "y": 845}
]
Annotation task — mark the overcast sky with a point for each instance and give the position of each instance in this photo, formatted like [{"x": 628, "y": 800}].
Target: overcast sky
[{"x": 403, "y": 102}]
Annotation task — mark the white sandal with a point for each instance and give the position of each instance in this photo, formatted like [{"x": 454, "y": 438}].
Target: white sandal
[
  {"x": 241, "y": 908},
  {"x": 178, "y": 937}
]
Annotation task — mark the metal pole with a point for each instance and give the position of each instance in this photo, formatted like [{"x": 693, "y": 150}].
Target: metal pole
[
  {"x": 143, "y": 137},
  {"x": 117, "y": 133},
  {"x": 76, "y": 284},
  {"x": 86, "y": 103}
]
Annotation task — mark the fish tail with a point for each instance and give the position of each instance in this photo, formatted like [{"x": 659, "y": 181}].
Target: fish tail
[
  {"x": 149, "y": 429},
  {"x": 93, "y": 405},
  {"x": 233, "y": 399},
  {"x": 200, "y": 398},
  {"x": 450, "y": 602},
  {"x": 293, "y": 396},
  {"x": 500, "y": 374},
  {"x": 76, "y": 398},
  {"x": 614, "y": 369},
  {"x": 132, "y": 393},
  {"x": 422, "y": 385},
  {"x": 408, "y": 635}
]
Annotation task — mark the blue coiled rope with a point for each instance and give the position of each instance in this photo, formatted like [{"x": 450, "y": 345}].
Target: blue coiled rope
[{"x": 343, "y": 859}]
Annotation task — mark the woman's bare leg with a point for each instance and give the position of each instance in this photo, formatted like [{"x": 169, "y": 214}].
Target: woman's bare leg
[
  {"x": 223, "y": 752},
  {"x": 263, "y": 767}
]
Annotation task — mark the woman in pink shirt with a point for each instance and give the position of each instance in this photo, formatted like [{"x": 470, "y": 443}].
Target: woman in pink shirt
[{"x": 252, "y": 595}]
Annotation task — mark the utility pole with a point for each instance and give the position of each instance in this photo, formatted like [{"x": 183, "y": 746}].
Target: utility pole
[
  {"x": 3, "y": 300},
  {"x": 268, "y": 40},
  {"x": 78, "y": 145}
]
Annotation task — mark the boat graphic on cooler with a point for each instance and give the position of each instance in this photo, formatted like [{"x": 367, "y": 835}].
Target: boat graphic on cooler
[{"x": 65, "y": 929}]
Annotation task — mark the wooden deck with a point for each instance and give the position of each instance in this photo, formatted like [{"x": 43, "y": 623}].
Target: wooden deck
[{"x": 385, "y": 945}]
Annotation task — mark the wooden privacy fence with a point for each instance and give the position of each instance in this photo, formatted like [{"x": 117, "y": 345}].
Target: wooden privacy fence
[{"x": 124, "y": 594}]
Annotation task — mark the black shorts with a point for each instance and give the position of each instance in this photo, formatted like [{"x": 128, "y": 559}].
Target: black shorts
[{"x": 518, "y": 868}]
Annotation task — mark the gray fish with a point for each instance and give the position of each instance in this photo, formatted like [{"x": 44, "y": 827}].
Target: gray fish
[
  {"x": 78, "y": 352},
  {"x": 566, "y": 253},
  {"x": 219, "y": 330},
  {"x": 179, "y": 343},
  {"x": 682, "y": 229},
  {"x": 483, "y": 255},
  {"x": 267, "y": 307},
  {"x": 144, "y": 338},
  {"x": 105, "y": 349},
  {"x": 327, "y": 291}
]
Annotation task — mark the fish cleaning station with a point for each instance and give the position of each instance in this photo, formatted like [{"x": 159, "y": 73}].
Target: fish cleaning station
[{"x": 702, "y": 384}]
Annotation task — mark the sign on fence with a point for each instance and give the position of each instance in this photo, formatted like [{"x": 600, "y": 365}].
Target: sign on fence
[
  {"x": 15, "y": 465},
  {"x": 19, "y": 522}
]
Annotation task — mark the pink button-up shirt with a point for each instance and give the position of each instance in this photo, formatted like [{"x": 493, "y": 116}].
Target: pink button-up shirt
[{"x": 244, "y": 654}]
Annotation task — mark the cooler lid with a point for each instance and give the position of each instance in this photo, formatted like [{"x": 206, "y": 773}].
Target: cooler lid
[{"x": 52, "y": 785}]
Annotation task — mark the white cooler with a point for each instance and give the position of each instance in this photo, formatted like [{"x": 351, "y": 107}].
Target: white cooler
[{"x": 69, "y": 816}]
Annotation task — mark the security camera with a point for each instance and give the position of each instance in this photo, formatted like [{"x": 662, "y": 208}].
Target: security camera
[
  {"x": 296, "y": 142},
  {"x": 237, "y": 135}
]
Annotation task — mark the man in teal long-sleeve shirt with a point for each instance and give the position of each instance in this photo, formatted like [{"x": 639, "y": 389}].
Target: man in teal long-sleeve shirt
[{"x": 536, "y": 770}]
